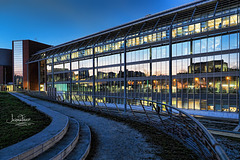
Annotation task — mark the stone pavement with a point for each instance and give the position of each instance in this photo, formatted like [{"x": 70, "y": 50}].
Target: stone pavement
[{"x": 115, "y": 140}]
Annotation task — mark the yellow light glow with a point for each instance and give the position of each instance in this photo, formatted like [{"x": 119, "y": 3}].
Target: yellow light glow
[
  {"x": 228, "y": 78},
  {"x": 196, "y": 79}
]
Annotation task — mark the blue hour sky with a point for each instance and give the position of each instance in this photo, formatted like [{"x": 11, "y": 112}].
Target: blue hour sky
[{"x": 57, "y": 21}]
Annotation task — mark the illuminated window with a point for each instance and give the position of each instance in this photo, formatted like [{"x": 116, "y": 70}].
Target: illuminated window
[
  {"x": 49, "y": 68},
  {"x": 197, "y": 28},
  {"x": 154, "y": 37},
  {"x": 141, "y": 40},
  {"x": 204, "y": 26},
  {"x": 174, "y": 33},
  {"x": 211, "y": 25},
  {"x": 49, "y": 61},
  {"x": 218, "y": 23},
  {"x": 233, "y": 20},
  {"x": 164, "y": 35},
  {"x": 191, "y": 29},
  {"x": 225, "y": 22},
  {"x": 133, "y": 42},
  {"x": 137, "y": 41},
  {"x": 149, "y": 38},
  {"x": 145, "y": 39},
  {"x": 179, "y": 31},
  {"x": 185, "y": 30},
  {"x": 128, "y": 42},
  {"x": 158, "y": 36}
]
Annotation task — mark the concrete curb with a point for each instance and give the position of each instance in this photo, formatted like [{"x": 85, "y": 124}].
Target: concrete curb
[
  {"x": 64, "y": 153},
  {"x": 84, "y": 156},
  {"x": 26, "y": 148}
]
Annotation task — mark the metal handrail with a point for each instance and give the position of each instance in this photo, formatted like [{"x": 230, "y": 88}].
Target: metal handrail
[{"x": 200, "y": 139}]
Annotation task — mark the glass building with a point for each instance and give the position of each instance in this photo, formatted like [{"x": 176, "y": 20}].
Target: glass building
[
  {"x": 198, "y": 44},
  {"x": 18, "y": 65}
]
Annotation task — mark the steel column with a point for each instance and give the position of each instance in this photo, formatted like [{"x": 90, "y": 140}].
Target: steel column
[
  {"x": 39, "y": 73},
  {"x": 193, "y": 14},
  {"x": 125, "y": 76},
  {"x": 70, "y": 90},
  {"x": 170, "y": 65},
  {"x": 93, "y": 90},
  {"x": 53, "y": 72}
]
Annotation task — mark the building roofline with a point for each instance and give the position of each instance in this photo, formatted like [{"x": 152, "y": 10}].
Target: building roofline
[{"x": 134, "y": 22}]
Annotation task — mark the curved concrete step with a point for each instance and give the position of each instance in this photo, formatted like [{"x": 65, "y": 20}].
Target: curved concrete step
[
  {"x": 80, "y": 152},
  {"x": 61, "y": 149},
  {"x": 40, "y": 142}
]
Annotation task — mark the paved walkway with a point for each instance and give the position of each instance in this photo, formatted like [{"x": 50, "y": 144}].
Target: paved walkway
[{"x": 115, "y": 140}]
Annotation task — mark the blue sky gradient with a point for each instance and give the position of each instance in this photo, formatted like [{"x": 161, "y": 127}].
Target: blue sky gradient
[{"x": 57, "y": 21}]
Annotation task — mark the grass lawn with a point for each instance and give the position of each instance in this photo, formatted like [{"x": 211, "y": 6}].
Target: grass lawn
[{"x": 11, "y": 133}]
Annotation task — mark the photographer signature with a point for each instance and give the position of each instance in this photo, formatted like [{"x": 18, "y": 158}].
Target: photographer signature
[{"x": 20, "y": 120}]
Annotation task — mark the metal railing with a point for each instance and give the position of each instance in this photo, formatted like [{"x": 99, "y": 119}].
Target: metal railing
[{"x": 172, "y": 121}]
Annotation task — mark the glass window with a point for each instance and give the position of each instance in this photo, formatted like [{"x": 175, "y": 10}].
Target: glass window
[
  {"x": 179, "y": 66},
  {"x": 233, "y": 41},
  {"x": 174, "y": 33},
  {"x": 218, "y": 63},
  {"x": 211, "y": 44},
  {"x": 210, "y": 64},
  {"x": 159, "y": 52},
  {"x": 75, "y": 76},
  {"x": 186, "y": 48},
  {"x": 225, "y": 62},
  {"x": 225, "y": 21},
  {"x": 164, "y": 35},
  {"x": 203, "y": 64},
  {"x": 158, "y": 36},
  {"x": 197, "y": 28},
  {"x": 74, "y": 65},
  {"x": 58, "y": 67},
  {"x": 154, "y": 53},
  {"x": 164, "y": 51},
  {"x": 179, "y": 49},
  {"x": 49, "y": 68},
  {"x": 191, "y": 29},
  {"x": 197, "y": 65},
  {"x": 185, "y": 30},
  {"x": 225, "y": 42},
  {"x": 203, "y": 45},
  {"x": 145, "y": 39},
  {"x": 185, "y": 64},
  {"x": 150, "y": 38},
  {"x": 154, "y": 37},
  {"x": 197, "y": 47},
  {"x": 204, "y": 26},
  {"x": 218, "y": 23},
  {"x": 211, "y": 25},
  {"x": 179, "y": 31},
  {"x": 233, "y": 20},
  {"x": 174, "y": 50},
  {"x": 218, "y": 43},
  {"x": 210, "y": 84},
  {"x": 233, "y": 64},
  {"x": 174, "y": 67},
  {"x": 137, "y": 40}
]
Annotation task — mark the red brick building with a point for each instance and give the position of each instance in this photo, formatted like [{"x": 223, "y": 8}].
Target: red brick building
[{"x": 22, "y": 51}]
